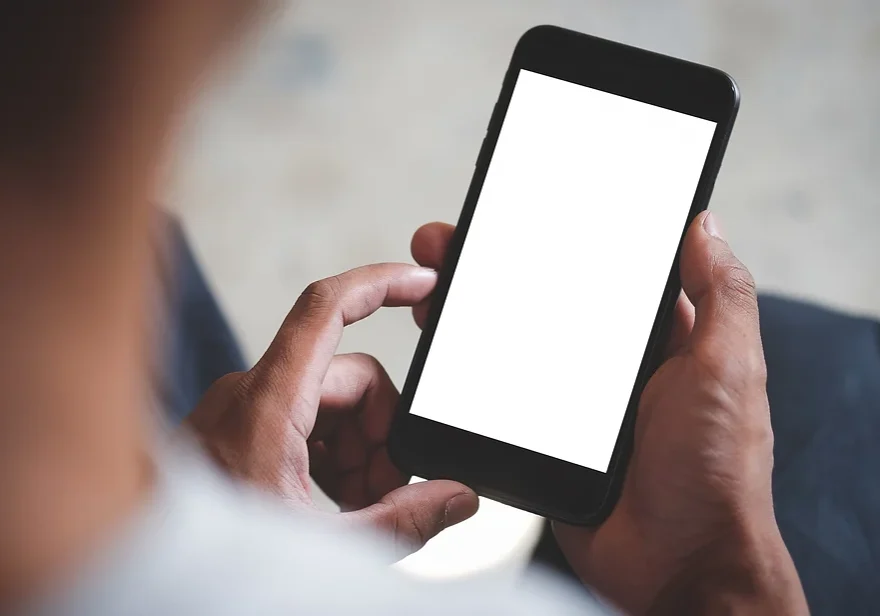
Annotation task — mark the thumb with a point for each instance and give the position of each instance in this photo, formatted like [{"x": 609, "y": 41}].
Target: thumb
[
  {"x": 720, "y": 287},
  {"x": 416, "y": 513}
]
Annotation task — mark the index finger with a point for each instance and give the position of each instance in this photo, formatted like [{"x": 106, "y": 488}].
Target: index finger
[{"x": 290, "y": 374}]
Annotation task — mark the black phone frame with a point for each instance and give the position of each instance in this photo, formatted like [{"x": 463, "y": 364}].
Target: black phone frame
[{"x": 512, "y": 475}]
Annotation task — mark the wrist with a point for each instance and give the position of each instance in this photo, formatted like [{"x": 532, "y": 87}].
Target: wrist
[{"x": 748, "y": 572}]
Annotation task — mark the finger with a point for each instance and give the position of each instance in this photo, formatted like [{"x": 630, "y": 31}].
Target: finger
[
  {"x": 289, "y": 378},
  {"x": 720, "y": 287},
  {"x": 725, "y": 300},
  {"x": 420, "y": 313},
  {"x": 357, "y": 386},
  {"x": 358, "y": 402},
  {"x": 414, "y": 514},
  {"x": 214, "y": 403},
  {"x": 429, "y": 246},
  {"x": 363, "y": 486},
  {"x": 682, "y": 325},
  {"x": 430, "y": 242}
]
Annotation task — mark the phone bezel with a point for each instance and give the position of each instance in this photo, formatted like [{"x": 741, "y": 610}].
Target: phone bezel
[{"x": 513, "y": 475}]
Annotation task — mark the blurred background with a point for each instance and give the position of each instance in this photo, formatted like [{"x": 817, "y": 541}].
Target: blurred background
[{"x": 350, "y": 123}]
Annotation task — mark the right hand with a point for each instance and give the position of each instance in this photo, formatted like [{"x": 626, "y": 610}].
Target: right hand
[
  {"x": 695, "y": 522},
  {"x": 304, "y": 415},
  {"x": 694, "y": 526}
]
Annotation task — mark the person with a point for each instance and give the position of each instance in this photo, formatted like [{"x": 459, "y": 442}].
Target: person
[
  {"x": 821, "y": 364},
  {"x": 106, "y": 512}
]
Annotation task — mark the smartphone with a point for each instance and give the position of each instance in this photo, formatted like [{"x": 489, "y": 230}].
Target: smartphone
[{"x": 557, "y": 293}]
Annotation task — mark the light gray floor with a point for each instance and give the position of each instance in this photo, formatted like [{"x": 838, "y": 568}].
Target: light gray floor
[{"x": 354, "y": 122}]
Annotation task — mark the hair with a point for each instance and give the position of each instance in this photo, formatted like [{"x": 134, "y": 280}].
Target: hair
[
  {"x": 57, "y": 72},
  {"x": 50, "y": 60}
]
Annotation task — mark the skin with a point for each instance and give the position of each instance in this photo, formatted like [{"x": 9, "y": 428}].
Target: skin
[
  {"x": 313, "y": 415},
  {"x": 77, "y": 426},
  {"x": 694, "y": 530}
]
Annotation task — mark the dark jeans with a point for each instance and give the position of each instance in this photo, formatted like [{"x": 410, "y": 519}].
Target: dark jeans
[
  {"x": 824, "y": 388},
  {"x": 200, "y": 346}
]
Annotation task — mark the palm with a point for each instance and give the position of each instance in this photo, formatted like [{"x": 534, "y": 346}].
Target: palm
[{"x": 670, "y": 490}]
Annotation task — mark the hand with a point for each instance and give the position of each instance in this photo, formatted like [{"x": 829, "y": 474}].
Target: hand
[
  {"x": 694, "y": 526},
  {"x": 303, "y": 413}
]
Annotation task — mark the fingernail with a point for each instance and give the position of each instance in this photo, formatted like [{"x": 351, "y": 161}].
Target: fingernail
[
  {"x": 426, "y": 272},
  {"x": 460, "y": 508},
  {"x": 710, "y": 224}
]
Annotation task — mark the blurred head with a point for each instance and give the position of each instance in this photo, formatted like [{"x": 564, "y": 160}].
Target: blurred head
[
  {"x": 75, "y": 70},
  {"x": 91, "y": 93}
]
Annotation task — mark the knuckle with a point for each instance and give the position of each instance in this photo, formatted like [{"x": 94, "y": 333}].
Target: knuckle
[
  {"x": 374, "y": 361},
  {"x": 756, "y": 431},
  {"x": 232, "y": 384},
  {"x": 757, "y": 368},
  {"x": 406, "y": 527},
  {"x": 326, "y": 292},
  {"x": 742, "y": 417},
  {"x": 361, "y": 371},
  {"x": 735, "y": 372},
  {"x": 376, "y": 290},
  {"x": 240, "y": 384},
  {"x": 369, "y": 362},
  {"x": 413, "y": 529},
  {"x": 769, "y": 442},
  {"x": 240, "y": 389},
  {"x": 738, "y": 285},
  {"x": 225, "y": 395}
]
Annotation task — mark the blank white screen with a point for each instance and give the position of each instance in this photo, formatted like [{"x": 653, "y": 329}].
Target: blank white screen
[{"x": 560, "y": 278}]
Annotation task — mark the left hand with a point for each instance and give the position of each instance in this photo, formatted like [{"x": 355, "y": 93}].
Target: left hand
[
  {"x": 694, "y": 527},
  {"x": 303, "y": 412}
]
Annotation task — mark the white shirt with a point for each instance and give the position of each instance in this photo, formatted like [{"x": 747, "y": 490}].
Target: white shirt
[{"x": 206, "y": 546}]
